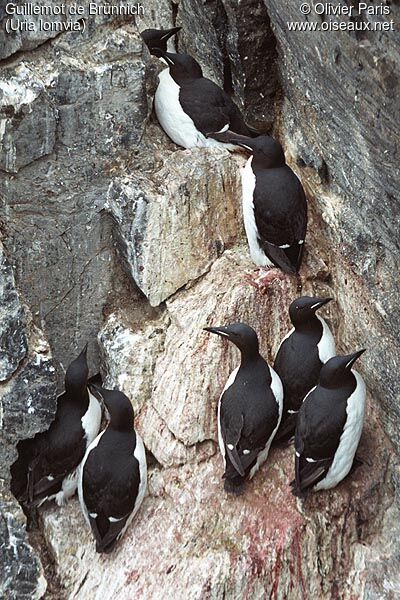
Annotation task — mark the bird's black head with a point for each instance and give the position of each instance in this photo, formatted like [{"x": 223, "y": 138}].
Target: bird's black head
[
  {"x": 242, "y": 335},
  {"x": 77, "y": 375},
  {"x": 303, "y": 309},
  {"x": 337, "y": 371},
  {"x": 267, "y": 152},
  {"x": 158, "y": 38},
  {"x": 182, "y": 67},
  {"x": 118, "y": 406}
]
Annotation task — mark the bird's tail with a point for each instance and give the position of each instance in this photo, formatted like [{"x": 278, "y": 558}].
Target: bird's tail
[
  {"x": 234, "y": 485},
  {"x": 233, "y": 482}
]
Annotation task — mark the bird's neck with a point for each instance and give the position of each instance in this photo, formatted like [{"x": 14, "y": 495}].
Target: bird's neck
[
  {"x": 247, "y": 357},
  {"x": 310, "y": 326},
  {"x": 78, "y": 395},
  {"x": 347, "y": 382},
  {"x": 260, "y": 163}
]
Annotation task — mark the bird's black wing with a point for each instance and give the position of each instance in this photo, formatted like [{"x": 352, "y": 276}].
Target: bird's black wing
[
  {"x": 298, "y": 365},
  {"x": 280, "y": 211},
  {"x": 249, "y": 395},
  {"x": 210, "y": 107},
  {"x": 54, "y": 454},
  {"x": 111, "y": 479},
  {"x": 319, "y": 427},
  {"x": 231, "y": 433}
]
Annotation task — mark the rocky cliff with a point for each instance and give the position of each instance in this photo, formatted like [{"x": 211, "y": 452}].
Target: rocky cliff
[{"x": 114, "y": 235}]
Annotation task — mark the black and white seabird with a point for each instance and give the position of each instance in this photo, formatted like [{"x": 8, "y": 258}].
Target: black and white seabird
[
  {"x": 329, "y": 426},
  {"x": 190, "y": 106},
  {"x": 57, "y": 452},
  {"x": 113, "y": 475},
  {"x": 300, "y": 356},
  {"x": 158, "y": 38},
  {"x": 274, "y": 206},
  {"x": 249, "y": 409}
]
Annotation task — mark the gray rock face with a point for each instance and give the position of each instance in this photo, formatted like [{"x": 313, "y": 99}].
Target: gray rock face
[
  {"x": 234, "y": 44},
  {"x": 24, "y": 32},
  {"x": 28, "y": 400},
  {"x": 22, "y": 575},
  {"x": 27, "y": 406},
  {"x": 13, "y": 345},
  {"x": 83, "y": 103},
  {"x": 171, "y": 228},
  {"x": 28, "y": 130}
]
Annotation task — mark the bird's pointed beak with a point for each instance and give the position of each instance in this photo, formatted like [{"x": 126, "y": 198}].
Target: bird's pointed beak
[
  {"x": 222, "y": 331},
  {"x": 351, "y": 358},
  {"x": 318, "y": 302},
  {"x": 167, "y": 56},
  {"x": 170, "y": 32},
  {"x": 243, "y": 141},
  {"x": 97, "y": 391},
  {"x": 84, "y": 350}
]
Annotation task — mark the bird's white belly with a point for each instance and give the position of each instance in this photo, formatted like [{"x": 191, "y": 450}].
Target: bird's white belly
[
  {"x": 91, "y": 420},
  {"x": 140, "y": 455},
  {"x": 248, "y": 184},
  {"x": 349, "y": 439},
  {"x": 175, "y": 122},
  {"x": 326, "y": 345},
  {"x": 230, "y": 381}
]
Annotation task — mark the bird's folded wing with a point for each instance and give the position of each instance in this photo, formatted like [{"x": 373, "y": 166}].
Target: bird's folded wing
[
  {"x": 105, "y": 542},
  {"x": 46, "y": 486},
  {"x": 282, "y": 257},
  {"x": 38, "y": 490},
  {"x": 286, "y": 428},
  {"x": 231, "y": 432},
  {"x": 309, "y": 474}
]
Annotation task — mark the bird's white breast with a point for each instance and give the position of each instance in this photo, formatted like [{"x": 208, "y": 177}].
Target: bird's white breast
[
  {"x": 349, "y": 439},
  {"x": 230, "y": 381},
  {"x": 140, "y": 455},
  {"x": 175, "y": 122},
  {"x": 326, "y": 345},
  {"x": 91, "y": 420},
  {"x": 248, "y": 186}
]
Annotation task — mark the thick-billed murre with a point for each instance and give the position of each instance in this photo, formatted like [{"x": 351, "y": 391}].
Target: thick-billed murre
[
  {"x": 190, "y": 106},
  {"x": 57, "y": 452},
  {"x": 274, "y": 207},
  {"x": 249, "y": 409},
  {"x": 300, "y": 357},
  {"x": 329, "y": 426},
  {"x": 113, "y": 475}
]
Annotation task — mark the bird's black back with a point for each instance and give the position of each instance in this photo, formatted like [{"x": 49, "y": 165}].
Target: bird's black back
[
  {"x": 56, "y": 452},
  {"x": 280, "y": 206},
  {"x": 297, "y": 363},
  {"x": 321, "y": 420},
  {"x": 210, "y": 107},
  {"x": 249, "y": 400},
  {"x": 111, "y": 475}
]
